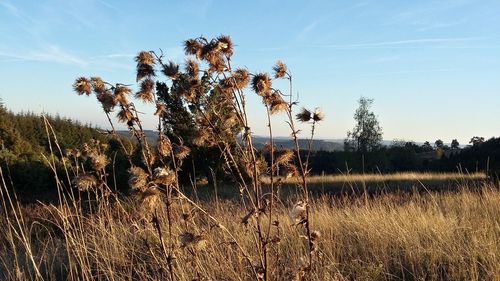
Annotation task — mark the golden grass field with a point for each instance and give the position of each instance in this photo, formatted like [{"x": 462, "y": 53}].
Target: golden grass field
[{"x": 405, "y": 236}]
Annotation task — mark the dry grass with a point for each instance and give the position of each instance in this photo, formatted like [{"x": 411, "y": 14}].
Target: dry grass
[
  {"x": 438, "y": 236},
  {"x": 402, "y": 176}
]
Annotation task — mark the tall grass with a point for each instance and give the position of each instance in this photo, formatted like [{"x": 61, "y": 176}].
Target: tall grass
[{"x": 435, "y": 236}]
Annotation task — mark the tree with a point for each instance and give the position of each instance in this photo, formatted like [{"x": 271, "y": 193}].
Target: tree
[
  {"x": 476, "y": 141},
  {"x": 455, "y": 144},
  {"x": 439, "y": 143},
  {"x": 367, "y": 133}
]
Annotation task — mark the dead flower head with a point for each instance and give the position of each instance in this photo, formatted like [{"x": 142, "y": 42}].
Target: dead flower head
[
  {"x": 82, "y": 86},
  {"x": 107, "y": 101},
  {"x": 193, "y": 47},
  {"x": 138, "y": 178},
  {"x": 318, "y": 115},
  {"x": 201, "y": 137},
  {"x": 163, "y": 176},
  {"x": 99, "y": 161},
  {"x": 304, "y": 115},
  {"x": 189, "y": 239},
  {"x": 226, "y": 45},
  {"x": 150, "y": 197},
  {"x": 171, "y": 70},
  {"x": 160, "y": 109},
  {"x": 181, "y": 151},
  {"x": 261, "y": 83},
  {"x": 284, "y": 156},
  {"x": 280, "y": 69},
  {"x": 241, "y": 77},
  {"x": 98, "y": 85},
  {"x": 85, "y": 182},
  {"x": 192, "y": 68},
  {"x": 145, "y": 57},
  {"x": 164, "y": 146},
  {"x": 146, "y": 92},
  {"x": 298, "y": 213}
]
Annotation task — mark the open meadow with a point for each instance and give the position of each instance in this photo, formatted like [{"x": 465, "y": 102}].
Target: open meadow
[{"x": 446, "y": 235}]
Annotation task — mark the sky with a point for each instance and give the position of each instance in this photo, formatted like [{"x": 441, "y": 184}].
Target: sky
[{"x": 431, "y": 67}]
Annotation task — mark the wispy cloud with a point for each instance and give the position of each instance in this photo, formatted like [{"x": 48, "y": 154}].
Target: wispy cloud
[
  {"x": 307, "y": 29},
  {"x": 52, "y": 54},
  {"x": 409, "y": 42}
]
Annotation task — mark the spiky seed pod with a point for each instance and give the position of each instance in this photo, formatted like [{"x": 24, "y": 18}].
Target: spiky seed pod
[
  {"x": 298, "y": 213},
  {"x": 304, "y": 115},
  {"x": 107, "y": 101},
  {"x": 315, "y": 235},
  {"x": 279, "y": 106},
  {"x": 164, "y": 176},
  {"x": 280, "y": 69},
  {"x": 85, "y": 182},
  {"x": 146, "y": 92},
  {"x": 125, "y": 115},
  {"x": 145, "y": 57},
  {"x": 160, "y": 109},
  {"x": 98, "y": 85},
  {"x": 283, "y": 156},
  {"x": 216, "y": 63},
  {"x": 201, "y": 137},
  {"x": 181, "y": 151},
  {"x": 82, "y": 86},
  {"x": 121, "y": 94},
  {"x": 291, "y": 171},
  {"x": 99, "y": 161},
  {"x": 145, "y": 70},
  {"x": 230, "y": 120},
  {"x": 193, "y": 47},
  {"x": 226, "y": 45},
  {"x": 242, "y": 77},
  {"x": 138, "y": 178},
  {"x": 261, "y": 83},
  {"x": 171, "y": 70},
  {"x": 164, "y": 146},
  {"x": 150, "y": 197},
  {"x": 192, "y": 68},
  {"x": 318, "y": 115}
]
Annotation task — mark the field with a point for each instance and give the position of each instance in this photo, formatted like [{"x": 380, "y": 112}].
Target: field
[{"x": 431, "y": 235}]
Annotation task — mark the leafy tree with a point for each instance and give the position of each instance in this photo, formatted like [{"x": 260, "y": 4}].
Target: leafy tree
[
  {"x": 476, "y": 141},
  {"x": 427, "y": 146},
  {"x": 439, "y": 143},
  {"x": 367, "y": 133},
  {"x": 455, "y": 144}
]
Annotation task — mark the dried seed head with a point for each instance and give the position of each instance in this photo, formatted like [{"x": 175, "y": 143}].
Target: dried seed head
[
  {"x": 267, "y": 147},
  {"x": 146, "y": 92},
  {"x": 145, "y": 70},
  {"x": 125, "y": 115},
  {"x": 276, "y": 103},
  {"x": 298, "y": 213},
  {"x": 107, "y": 101},
  {"x": 280, "y": 69},
  {"x": 261, "y": 83},
  {"x": 291, "y": 171},
  {"x": 318, "y": 115},
  {"x": 284, "y": 156},
  {"x": 98, "y": 85},
  {"x": 242, "y": 77},
  {"x": 164, "y": 176},
  {"x": 85, "y": 182},
  {"x": 171, "y": 70},
  {"x": 150, "y": 197},
  {"x": 164, "y": 146},
  {"x": 192, "y": 68},
  {"x": 304, "y": 115},
  {"x": 138, "y": 178},
  {"x": 145, "y": 57},
  {"x": 98, "y": 161},
  {"x": 181, "y": 151},
  {"x": 193, "y": 47},
  {"x": 160, "y": 109},
  {"x": 201, "y": 136},
  {"x": 216, "y": 63},
  {"x": 315, "y": 235},
  {"x": 198, "y": 242},
  {"x": 121, "y": 94},
  {"x": 226, "y": 45},
  {"x": 82, "y": 86},
  {"x": 230, "y": 120}
]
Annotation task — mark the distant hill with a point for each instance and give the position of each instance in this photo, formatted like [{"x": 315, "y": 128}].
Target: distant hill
[{"x": 259, "y": 141}]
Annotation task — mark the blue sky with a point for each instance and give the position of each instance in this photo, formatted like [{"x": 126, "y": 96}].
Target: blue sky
[{"x": 432, "y": 67}]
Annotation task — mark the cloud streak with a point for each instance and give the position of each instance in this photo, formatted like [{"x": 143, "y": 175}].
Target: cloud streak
[
  {"x": 399, "y": 43},
  {"x": 52, "y": 54}
]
